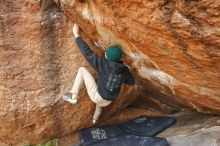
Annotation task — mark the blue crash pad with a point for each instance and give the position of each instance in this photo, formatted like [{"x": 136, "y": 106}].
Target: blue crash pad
[
  {"x": 147, "y": 125},
  {"x": 99, "y": 133},
  {"x": 132, "y": 140},
  {"x": 144, "y": 126}
]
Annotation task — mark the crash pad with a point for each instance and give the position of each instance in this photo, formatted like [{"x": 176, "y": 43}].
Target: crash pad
[
  {"x": 99, "y": 133},
  {"x": 143, "y": 126},
  {"x": 132, "y": 140},
  {"x": 147, "y": 125}
]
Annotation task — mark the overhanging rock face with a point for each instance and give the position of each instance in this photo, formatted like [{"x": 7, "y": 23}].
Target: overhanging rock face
[{"x": 172, "y": 48}]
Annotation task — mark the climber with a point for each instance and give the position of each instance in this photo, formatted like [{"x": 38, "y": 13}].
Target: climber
[{"x": 111, "y": 74}]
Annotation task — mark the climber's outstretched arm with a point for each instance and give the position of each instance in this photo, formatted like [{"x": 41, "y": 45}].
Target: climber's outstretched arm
[{"x": 94, "y": 60}]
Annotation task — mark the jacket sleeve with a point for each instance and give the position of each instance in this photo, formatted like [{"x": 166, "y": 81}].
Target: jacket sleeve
[
  {"x": 130, "y": 79},
  {"x": 94, "y": 60}
]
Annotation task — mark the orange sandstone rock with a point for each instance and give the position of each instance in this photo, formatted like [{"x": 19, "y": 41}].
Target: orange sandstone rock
[
  {"x": 38, "y": 63},
  {"x": 173, "y": 46}
]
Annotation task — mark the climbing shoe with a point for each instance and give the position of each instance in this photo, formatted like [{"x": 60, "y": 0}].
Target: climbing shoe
[{"x": 68, "y": 97}]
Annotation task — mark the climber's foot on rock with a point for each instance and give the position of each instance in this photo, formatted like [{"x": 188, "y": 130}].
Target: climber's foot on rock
[
  {"x": 94, "y": 121},
  {"x": 69, "y": 97}
]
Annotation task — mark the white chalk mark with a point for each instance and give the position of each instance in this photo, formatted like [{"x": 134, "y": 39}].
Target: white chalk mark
[{"x": 85, "y": 13}]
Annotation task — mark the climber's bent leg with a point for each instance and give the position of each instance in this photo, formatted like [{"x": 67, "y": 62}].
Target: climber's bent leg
[
  {"x": 73, "y": 94},
  {"x": 84, "y": 76},
  {"x": 92, "y": 91}
]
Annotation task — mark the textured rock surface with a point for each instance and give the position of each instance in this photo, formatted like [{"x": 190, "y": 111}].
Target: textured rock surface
[
  {"x": 194, "y": 129},
  {"x": 38, "y": 61},
  {"x": 203, "y": 137},
  {"x": 173, "y": 46}
]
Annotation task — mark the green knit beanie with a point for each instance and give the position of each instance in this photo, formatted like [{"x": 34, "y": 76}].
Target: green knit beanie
[{"x": 113, "y": 53}]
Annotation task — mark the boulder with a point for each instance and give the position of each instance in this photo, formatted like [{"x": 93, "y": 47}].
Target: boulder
[
  {"x": 38, "y": 63},
  {"x": 172, "y": 46}
]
